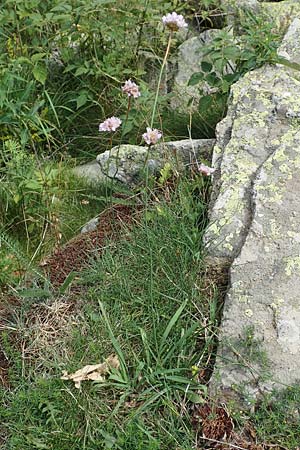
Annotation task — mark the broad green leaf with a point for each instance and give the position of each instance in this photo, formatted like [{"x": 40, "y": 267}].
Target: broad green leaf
[
  {"x": 81, "y": 70},
  {"x": 231, "y": 52},
  {"x": 195, "y": 78},
  {"x": 205, "y": 103},
  {"x": 213, "y": 79},
  {"x": 231, "y": 77},
  {"x": 81, "y": 100},
  {"x": 37, "y": 57},
  {"x": 40, "y": 73},
  {"x": 206, "y": 66}
]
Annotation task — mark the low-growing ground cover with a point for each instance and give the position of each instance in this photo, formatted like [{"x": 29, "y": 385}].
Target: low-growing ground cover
[{"x": 138, "y": 289}]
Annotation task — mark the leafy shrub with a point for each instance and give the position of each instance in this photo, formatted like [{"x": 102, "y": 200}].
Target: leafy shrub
[{"x": 229, "y": 57}]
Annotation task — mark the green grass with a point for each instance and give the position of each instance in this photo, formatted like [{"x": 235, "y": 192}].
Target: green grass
[
  {"x": 277, "y": 419},
  {"x": 143, "y": 301}
]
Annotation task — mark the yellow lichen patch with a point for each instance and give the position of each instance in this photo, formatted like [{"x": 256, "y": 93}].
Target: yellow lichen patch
[
  {"x": 292, "y": 266},
  {"x": 275, "y": 231},
  {"x": 280, "y": 155},
  {"x": 243, "y": 299}
]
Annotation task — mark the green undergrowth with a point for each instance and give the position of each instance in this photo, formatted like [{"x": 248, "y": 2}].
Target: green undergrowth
[
  {"x": 41, "y": 208},
  {"x": 143, "y": 301},
  {"x": 277, "y": 419}
]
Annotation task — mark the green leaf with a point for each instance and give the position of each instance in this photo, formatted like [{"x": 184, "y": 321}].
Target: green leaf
[
  {"x": 81, "y": 70},
  {"x": 287, "y": 63},
  {"x": 34, "y": 293},
  {"x": 206, "y": 66},
  {"x": 37, "y": 57},
  {"x": 127, "y": 127},
  {"x": 33, "y": 185},
  {"x": 171, "y": 325},
  {"x": 68, "y": 281},
  {"x": 40, "y": 73},
  {"x": 231, "y": 77},
  {"x": 197, "y": 398},
  {"x": 195, "y": 78},
  {"x": 231, "y": 52},
  {"x": 213, "y": 79},
  {"x": 205, "y": 103},
  {"x": 81, "y": 100}
]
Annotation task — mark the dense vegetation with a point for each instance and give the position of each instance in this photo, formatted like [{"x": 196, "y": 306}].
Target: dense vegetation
[{"x": 144, "y": 297}]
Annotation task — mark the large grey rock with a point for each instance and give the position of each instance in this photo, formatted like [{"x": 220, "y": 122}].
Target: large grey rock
[
  {"x": 190, "y": 56},
  {"x": 125, "y": 163},
  {"x": 254, "y": 223}
]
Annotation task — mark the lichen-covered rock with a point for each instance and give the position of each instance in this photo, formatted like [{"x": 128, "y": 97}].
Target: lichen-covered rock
[
  {"x": 254, "y": 222},
  {"x": 280, "y": 13},
  {"x": 125, "y": 163}
]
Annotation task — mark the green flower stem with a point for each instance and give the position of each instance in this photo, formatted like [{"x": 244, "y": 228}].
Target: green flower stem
[{"x": 160, "y": 78}]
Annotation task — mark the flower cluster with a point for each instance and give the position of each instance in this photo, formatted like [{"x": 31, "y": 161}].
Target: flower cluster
[
  {"x": 131, "y": 89},
  {"x": 152, "y": 136},
  {"x": 110, "y": 124},
  {"x": 174, "y": 21},
  {"x": 205, "y": 170}
]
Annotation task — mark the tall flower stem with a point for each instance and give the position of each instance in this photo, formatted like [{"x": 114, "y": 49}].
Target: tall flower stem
[{"x": 160, "y": 78}]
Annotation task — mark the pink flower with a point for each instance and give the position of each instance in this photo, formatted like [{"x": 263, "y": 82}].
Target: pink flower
[
  {"x": 110, "y": 124},
  {"x": 174, "y": 21},
  {"x": 131, "y": 89},
  {"x": 205, "y": 170},
  {"x": 152, "y": 136}
]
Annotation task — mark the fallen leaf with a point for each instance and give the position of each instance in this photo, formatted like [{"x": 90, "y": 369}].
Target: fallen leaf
[{"x": 93, "y": 372}]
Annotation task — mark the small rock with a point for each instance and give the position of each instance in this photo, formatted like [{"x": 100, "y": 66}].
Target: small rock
[{"x": 91, "y": 225}]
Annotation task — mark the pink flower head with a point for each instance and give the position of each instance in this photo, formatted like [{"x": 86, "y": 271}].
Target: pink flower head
[
  {"x": 110, "y": 124},
  {"x": 205, "y": 170},
  {"x": 131, "y": 89},
  {"x": 174, "y": 21},
  {"x": 152, "y": 136}
]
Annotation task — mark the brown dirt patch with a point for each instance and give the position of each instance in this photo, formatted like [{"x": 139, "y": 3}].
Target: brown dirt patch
[
  {"x": 72, "y": 257},
  {"x": 76, "y": 254},
  {"x": 215, "y": 430}
]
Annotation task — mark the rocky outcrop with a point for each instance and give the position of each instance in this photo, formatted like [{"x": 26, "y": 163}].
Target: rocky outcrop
[
  {"x": 281, "y": 13},
  {"x": 255, "y": 226},
  {"x": 125, "y": 163}
]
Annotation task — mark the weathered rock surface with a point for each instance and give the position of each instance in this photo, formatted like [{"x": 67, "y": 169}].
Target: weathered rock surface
[
  {"x": 126, "y": 162},
  {"x": 255, "y": 224}
]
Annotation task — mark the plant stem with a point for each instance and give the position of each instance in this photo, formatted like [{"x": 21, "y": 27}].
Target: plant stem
[{"x": 160, "y": 78}]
